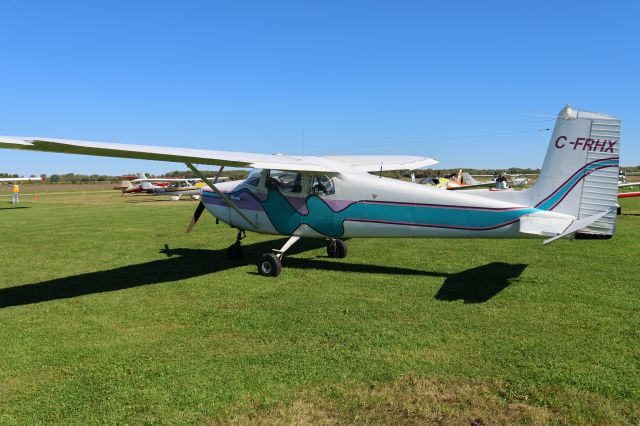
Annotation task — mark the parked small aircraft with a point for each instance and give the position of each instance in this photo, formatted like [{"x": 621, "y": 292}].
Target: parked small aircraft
[
  {"x": 10, "y": 181},
  {"x": 176, "y": 188},
  {"x": 627, "y": 194},
  {"x": 336, "y": 198},
  {"x": 457, "y": 181},
  {"x": 133, "y": 185}
]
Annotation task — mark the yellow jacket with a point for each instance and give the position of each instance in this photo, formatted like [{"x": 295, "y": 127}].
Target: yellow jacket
[{"x": 16, "y": 188}]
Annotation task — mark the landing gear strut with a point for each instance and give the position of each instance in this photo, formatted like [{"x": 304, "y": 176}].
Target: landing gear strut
[
  {"x": 337, "y": 248},
  {"x": 270, "y": 264},
  {"x": 235, "y": 251}
]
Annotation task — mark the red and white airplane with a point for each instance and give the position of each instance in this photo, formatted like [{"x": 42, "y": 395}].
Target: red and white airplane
[{"x": 135, "y": 186}]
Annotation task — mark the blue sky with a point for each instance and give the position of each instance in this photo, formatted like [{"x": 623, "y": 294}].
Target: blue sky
[{"x": 466, "y": 82}]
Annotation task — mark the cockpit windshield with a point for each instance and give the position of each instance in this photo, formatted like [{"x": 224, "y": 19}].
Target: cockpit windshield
[{"x": 254, "y": 178}]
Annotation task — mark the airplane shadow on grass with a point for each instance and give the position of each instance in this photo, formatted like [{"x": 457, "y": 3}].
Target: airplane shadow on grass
[
  {"x": 474, "y": 285},
  {"x": 14, "y": 208}
]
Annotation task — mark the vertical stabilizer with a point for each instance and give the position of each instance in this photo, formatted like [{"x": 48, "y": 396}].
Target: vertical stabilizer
[{"x": 579, "y": 175}]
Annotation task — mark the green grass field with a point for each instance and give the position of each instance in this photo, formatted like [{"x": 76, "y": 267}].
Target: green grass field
[{"x": 110, "y": 313}]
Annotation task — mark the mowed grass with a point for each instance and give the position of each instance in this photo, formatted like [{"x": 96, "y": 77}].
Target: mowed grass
[{"x": 101, "y": 323}]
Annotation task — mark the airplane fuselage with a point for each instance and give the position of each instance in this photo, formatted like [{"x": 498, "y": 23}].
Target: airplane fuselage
[{"x": 364, "y": 205}]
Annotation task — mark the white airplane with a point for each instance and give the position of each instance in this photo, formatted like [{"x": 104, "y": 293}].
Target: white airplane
[
  {"x": 336, "y": 198},
  {"x": 513, "y": 181},
  {"x": 9, "y": 181},
  {"x": 460, "y": 181},
  {"x": 176, "y": 189}
]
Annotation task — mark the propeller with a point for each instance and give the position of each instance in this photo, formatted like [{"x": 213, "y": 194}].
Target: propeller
[{"x": 196, "y": 216}]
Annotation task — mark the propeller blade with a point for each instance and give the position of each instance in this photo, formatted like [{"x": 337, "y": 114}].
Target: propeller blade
[{"x": 196, "y": 216}]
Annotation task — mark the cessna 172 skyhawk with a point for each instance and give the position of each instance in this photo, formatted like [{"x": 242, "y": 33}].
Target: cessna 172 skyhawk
[{"x": 335, "y": 198}]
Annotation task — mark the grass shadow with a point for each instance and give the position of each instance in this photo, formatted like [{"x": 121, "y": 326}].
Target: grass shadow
[{"x": 473, "y": 285}]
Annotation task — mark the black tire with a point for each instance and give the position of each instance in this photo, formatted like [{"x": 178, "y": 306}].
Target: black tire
[
  {"x": 235, "y": 251},
  {"x": 269, "y": 265},
  {"x": 619, "y": 211},
  {"x": 337, "y": 249}
]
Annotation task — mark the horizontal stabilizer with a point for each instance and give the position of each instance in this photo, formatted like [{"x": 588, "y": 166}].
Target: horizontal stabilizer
[
  {"x": 544, "y": 224},
  {"x": 579, "y": 224}
]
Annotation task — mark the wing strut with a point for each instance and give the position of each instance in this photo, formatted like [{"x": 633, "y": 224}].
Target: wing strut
[{"x": 217, "y": 191}]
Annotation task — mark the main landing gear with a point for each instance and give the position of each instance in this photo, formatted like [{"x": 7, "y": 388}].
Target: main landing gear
[
  {"x": 336, "y": 248},
  {"x": 270, "y": 264}
]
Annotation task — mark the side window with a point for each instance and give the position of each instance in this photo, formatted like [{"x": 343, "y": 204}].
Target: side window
[
  {"x": 321, "y": 186},
  {"x": 285, "y": 181}
]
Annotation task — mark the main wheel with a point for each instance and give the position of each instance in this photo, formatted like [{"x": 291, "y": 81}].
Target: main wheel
[
  {"x": 235, "y": 251},
  {"x": 619, "y": 211},
  {"x": 269, "y": 265},
  {"x": 337, "y": 249}
]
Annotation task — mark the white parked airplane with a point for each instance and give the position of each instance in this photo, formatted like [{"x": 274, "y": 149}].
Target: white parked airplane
[
  {"x": 10, "y": 181},
  {"x": 176, "y": 189},
  {"x": 335, "y": 198}
]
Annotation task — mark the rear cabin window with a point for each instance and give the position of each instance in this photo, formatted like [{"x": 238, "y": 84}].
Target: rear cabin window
[{"x": 321, "y": 186}]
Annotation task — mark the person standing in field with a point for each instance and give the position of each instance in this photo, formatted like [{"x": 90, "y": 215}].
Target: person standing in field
[{"x": 16, "y": 194}]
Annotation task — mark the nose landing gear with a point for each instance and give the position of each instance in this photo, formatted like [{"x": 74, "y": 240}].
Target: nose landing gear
[{"x": 235, "y": 251}]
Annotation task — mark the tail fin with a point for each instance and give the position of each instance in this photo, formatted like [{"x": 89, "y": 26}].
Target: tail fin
[
  {"x": 467, "y": 179},
  {"x": 123, "y": 185},
  {"x": 579, "y": 175}
]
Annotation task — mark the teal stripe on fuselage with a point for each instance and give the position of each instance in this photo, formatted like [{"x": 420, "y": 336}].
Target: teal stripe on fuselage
[
  {"x": 551, "y": 202},
  {"x": 286, "y": 219}
]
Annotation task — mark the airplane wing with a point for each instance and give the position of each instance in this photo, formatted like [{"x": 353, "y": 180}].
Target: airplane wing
[
  {"x": 376, "y": 163},
  {"x": 20, "y": 179},
  {"x": 623, "y": 185},
  {"x": 329, "y": 165}
]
